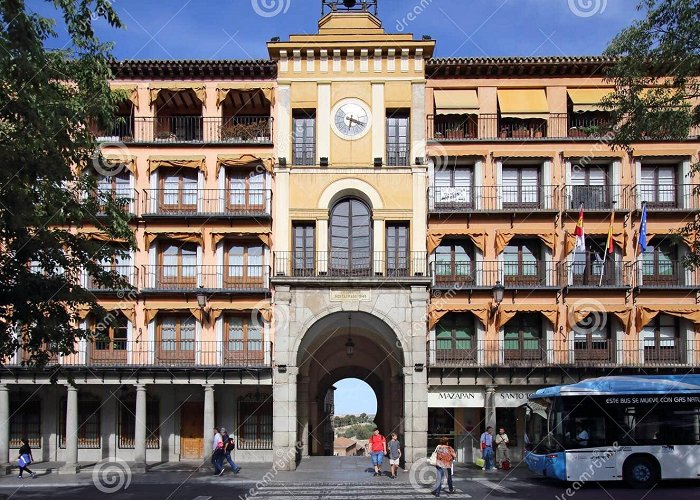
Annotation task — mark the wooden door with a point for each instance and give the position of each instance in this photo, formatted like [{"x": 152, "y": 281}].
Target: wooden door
[{"x": 191, "y": 430}]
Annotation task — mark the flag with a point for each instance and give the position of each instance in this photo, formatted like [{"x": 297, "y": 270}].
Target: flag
[
  {"x": 580, "y": 233},
  {"x": 643, "y": 229},
  {"x": 609, "y": 243}
]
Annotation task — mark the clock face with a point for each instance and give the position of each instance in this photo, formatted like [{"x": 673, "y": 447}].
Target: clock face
[{"x": 351, "y": 119}]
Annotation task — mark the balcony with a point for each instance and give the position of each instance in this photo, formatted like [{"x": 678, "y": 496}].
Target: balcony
[
  {"x": 588, "y": 126},
  {"x": 667, "y": 198},
  {"x": 603, "y": 353},
  {"x": 128, "y": 197},
  {"x": 485, "y": 274},
  {"x": 491, "y": 127},
  {"x": 595, "y": 198},
  {"x": 665, "y": 274},
  {"x": 169, "y": 354},
  {"x": 343, "y": 265},
  {"x": 474, "y": 199},
  {"x": 127, "y": 273},
  {"x": 192, "y": 129},
  {"x": 587, "y": 275},
  {"x": 224, "y": 279},
  {"x": 207, "y": 203}
]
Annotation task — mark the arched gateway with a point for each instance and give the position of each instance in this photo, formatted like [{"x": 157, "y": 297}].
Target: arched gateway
[{"x": 386, "y": 330}]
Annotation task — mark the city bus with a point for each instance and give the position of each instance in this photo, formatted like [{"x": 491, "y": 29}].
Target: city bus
[{"x": 639, "y": 429}]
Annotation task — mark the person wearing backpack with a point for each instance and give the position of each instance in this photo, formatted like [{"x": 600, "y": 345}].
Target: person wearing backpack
[
  {"x": 229, "y": 446},
  {"x": 25, "y": 458}
]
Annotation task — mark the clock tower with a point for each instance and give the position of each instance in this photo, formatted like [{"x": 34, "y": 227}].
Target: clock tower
[{"x": 350, "y": 211}]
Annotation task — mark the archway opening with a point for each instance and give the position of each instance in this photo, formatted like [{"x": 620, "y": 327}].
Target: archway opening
[
  {"x": 354, "y": 407},
  {"x": 375, "y": 362}
]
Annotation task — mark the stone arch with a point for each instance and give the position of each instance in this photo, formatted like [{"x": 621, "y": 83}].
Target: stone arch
[
  {"x": 398, "y": 340},
  {"x": 343, "y": 188}
]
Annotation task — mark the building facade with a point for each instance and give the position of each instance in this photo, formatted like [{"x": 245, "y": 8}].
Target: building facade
[{"x": 348, "y": 208}]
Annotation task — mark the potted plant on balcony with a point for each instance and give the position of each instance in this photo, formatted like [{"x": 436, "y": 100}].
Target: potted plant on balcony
[
  {"x": 521, "y": 133},
  {"x": 230, "y": 133},
  {"x": 454, "y": 133},
  {"x": 165, "y": 135},
  {"x": 590, "y": 131}
]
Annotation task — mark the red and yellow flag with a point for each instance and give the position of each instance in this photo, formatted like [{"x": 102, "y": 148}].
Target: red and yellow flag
[{"x": 609, "y": 242}]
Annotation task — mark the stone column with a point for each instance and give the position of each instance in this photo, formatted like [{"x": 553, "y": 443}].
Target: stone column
[
  {"x": 208, "y": 418},
  {"x": 490, "y": 406},
  {"x": 140, "y": 427},
  {"x": 71, "y": 453},
  {"x": 284, "y": 417},
  {"x": 4, "y": 424}
]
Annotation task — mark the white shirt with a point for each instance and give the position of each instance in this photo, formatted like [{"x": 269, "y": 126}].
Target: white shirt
[
  {"x": 216, "y": 441},
  {"x": 582, "y": 438}
]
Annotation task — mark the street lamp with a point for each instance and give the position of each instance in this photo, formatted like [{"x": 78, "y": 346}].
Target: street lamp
[
  {"x": 202, "y": 303},
  {"x": 498, "y": 291},
  {"x": 349, "y": 345}
]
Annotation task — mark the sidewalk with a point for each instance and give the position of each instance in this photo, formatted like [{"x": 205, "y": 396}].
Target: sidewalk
[{"x": 313, "y": 470}]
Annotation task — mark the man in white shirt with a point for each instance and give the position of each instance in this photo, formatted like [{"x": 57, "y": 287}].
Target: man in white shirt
[
  {"x": 582, "y": 436},
  {"x": 217, "y": 447}
]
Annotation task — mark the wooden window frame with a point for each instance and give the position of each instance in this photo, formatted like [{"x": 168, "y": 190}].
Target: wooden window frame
[
  {"x": 454, "y": 277},
  {"x": 655, "y": 186},
  {"x": 454, "y": 322},
  {"x": 350, "y": 268},
  {"x": 110, "y": 348},
  {"x": 656, "y": 278},
  {"x": 253, "y": 201},
  {"x": 398, "y": 255},
  {"x": 522, "y": 321},
  {"x": 181, "y": 206},
  {"x": 590, "y": 349},
  {"x": 519, "y": 203},
  {"x": 521, "y": 278},
  {"x": 252, "y": 351},
  {"x": 306, "y": 141},
  {"x": 590, "y": 275},
  {"x": 180, "y": 280},
  {"x": 245, "y": 280},
  {"x": 178, "y": 353},
  {"x": 301, "y": 255},
  {"x": 657, "y": 352},
  {"x": 401, "y": 144}
]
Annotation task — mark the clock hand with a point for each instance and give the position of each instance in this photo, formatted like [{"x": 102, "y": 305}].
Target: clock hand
[{"x": 351, "y": 119}]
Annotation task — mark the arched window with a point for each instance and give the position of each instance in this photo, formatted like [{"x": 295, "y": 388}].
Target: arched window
[{"x": 350, "y": 238}]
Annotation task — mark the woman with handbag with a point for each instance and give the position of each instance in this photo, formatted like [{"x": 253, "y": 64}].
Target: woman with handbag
[
  {"x": 25, "y": 458},
  {"x": 442, "y": 458}
]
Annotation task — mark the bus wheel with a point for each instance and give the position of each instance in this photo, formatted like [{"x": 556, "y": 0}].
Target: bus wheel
[{"x": 640, "y": 472}]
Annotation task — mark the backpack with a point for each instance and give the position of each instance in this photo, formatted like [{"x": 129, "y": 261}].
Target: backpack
[{"x": 229, "y": 445}]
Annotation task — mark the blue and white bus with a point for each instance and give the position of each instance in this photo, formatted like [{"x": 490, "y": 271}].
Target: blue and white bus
[{"x": 639, "y": 429}]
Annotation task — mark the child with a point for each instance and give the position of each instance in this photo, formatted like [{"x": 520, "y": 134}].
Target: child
[{"x": 394, "y": 454}]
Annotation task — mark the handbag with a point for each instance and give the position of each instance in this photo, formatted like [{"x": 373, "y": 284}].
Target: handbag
[
  {"x": 24, "y": 460},
  {"x": 433, "y": 458}
]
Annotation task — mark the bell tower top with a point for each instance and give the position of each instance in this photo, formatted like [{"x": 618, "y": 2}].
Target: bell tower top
[{"x": 333, "y": 6}]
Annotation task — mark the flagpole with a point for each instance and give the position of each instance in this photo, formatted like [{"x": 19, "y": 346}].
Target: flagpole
[
  {"x": 639, "y": 236},
  {"x": 608, "y": 242}
]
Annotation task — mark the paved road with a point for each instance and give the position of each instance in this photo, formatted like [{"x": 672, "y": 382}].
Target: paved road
[{"x": 378, "y": 488}]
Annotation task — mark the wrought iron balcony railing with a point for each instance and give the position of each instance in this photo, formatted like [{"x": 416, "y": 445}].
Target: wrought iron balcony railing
[
  {"x": 477, "y": 274},
  {"x": 466, "y": 199},
  {"x": 604, "y": 353},
  {"x": 666, "y": 197},
  {"x": 230, "y": 278},
  {"x": 343, "y": 264},
  {"x": 168, "y": 353},
  {"x": 207, "y": 202}
]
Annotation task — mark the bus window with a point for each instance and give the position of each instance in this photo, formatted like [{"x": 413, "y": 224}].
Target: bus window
[{"x": 686, "y": 426}]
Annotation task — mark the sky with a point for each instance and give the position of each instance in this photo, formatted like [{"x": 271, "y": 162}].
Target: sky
[
  {"x": 239, "y": 29},
  {"x": 353, "y": 396}
]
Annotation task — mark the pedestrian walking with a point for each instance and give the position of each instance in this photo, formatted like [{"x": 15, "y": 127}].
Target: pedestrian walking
[
  {"x": 229, "y": 446},
  {"x": 501, "y": 441},
  {"x": 217, "y": 452},
  {"x": 24, "y": 458},
  {"x": 377, "y": 449},
  {"x": 394, "y": 454},
  {"x": 445, "y": 456},
  {"x": 487, "y": 449}
]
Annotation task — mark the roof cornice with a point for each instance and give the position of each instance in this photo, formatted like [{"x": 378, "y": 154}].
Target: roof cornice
[
  {"x": 178, "y": 69},
  {"x": 486, "y": 67}
]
